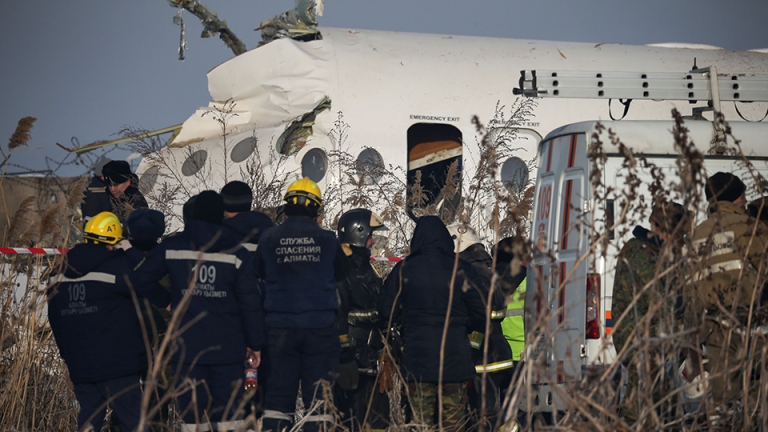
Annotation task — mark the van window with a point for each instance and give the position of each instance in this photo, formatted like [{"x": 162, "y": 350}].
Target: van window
[
  {"x": 543, "y": 210},
  {"x": 570, "y": 149},
  {"x": 570, "y": 211},
  {"x": 432, "y": 148}
]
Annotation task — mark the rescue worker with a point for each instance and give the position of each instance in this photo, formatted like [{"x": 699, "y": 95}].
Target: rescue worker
[
  {"x": 248, "y": 225},
  {"x": 212, "y": 280},
  {"x": 239, "y": 217},
  {"x": 511, "y": 273},
  {"x": 499, "y": 366},
  {"x": 93, "y": 317},
  {"x": 144, "y": 228},
  {"x": 639, "y": 261},
  {"x": 359, "y": 322},
  {"x": 300, "y": 264},
  {"x": 637, "y": 265},
  {"x": 104, "y": 192},
  {"x": 419, "y": 291},
  {"x": 724, "y": 275}
]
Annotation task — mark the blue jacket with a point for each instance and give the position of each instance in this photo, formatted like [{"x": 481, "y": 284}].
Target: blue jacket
[
  {"x": 417, "y": 292},
  {"x": 93, "y": 316},
  {"x": 225, "y": 303},
  {"x": 249, "y": 226},
  {"x": 300, "y": 263}
]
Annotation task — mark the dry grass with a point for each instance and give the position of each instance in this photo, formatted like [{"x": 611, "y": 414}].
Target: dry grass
[{"x": 22, "y": 134}]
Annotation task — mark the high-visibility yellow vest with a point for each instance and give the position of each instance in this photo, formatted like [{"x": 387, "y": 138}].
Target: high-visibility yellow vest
[{"x": 513, "y": 325}]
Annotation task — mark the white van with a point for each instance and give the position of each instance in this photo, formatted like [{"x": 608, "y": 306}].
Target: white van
[{"x": 579, "y": 340}]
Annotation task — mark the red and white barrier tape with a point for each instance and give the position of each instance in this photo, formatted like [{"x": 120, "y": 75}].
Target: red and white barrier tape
[
  {"x": 32, "y": 251},
  {"x": 386, "y": 259}
]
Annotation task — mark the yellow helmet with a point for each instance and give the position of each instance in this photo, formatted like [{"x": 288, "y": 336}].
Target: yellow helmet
[
  {"x": 103, "y": 228},
  {"x": 304, "y": 192}
]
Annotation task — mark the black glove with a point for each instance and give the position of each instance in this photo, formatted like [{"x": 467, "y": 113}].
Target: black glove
[{"x": 349, "y": 376}]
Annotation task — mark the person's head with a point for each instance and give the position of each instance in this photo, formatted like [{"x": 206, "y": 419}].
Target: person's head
[
  {"x": 463, "y": 236},
  {"x": 303, "y": 199},
  {"x": 356, "y": 228},
  {"x": 104, "y": 229},
  {"x": 144, "y": 227},
  {"x": 237, "y": 197},
  {"x": 117, "y": 176},
  {"x": 726, "y": 187},
  {"x": 668, "y": 219},
  {"x": 208, "y": 206},
  {"x": 509, "y": 251}
]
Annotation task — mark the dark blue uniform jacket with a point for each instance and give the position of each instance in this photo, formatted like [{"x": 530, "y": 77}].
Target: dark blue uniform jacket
[
  {"x": 93, "y": 316},
  {"x": 208, "y": 259},
  {"x": 249, "y": 226},
  {"x": 424, "y": 279},
  {"x": 299, "y": 263}
]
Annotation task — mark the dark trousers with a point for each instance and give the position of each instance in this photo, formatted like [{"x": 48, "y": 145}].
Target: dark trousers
[
  {"x": 495, "y": 391},
  {"x": 221, "y": 382},
  {"x": 122, "y": 394},
  {"x": 354, "y": 405},
  {"x": 299, "y": 355}
]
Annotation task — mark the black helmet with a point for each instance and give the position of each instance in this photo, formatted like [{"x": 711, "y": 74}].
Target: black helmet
[{"x": 355, "y": 226}]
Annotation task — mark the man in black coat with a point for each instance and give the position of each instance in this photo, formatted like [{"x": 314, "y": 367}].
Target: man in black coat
[
  {"x": 96, "y": 326},
  {"x": 105, "y": 191},
  {"x": 248, "y": 225},
  {"x": 211, "y": 277},
  {"x": 499, "y": 365},
  {"x": 358, "y": 321},
  {"x": 423, "y": 291},
  {"x": 300, "y": 263}
]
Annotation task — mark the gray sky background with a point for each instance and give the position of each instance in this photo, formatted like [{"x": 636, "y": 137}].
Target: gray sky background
[{"x": 86, "y": 68}]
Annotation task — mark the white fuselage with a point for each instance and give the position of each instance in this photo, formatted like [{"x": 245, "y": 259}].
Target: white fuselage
[{"x": 382, "y": 83}]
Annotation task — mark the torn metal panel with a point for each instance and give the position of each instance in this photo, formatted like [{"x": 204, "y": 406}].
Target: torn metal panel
[
  {"x": 99, "y": 144},
  {"x": 295, "y": 136},
  {"x": 268, "y": 86},
  {"x": 298, "y": 23}
]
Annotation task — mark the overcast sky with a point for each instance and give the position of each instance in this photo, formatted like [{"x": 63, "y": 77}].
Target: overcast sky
[{"x": 86, "y": 68}]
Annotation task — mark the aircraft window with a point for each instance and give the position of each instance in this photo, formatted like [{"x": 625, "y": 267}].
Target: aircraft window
[
  {"x": 243, "y": 150},
  {"x": 148, "y": 180},
  {"x": 314, "y": 164},
  {"x": 433, "y": 149},
  {"x": 194, "y": 163},
  {"x": 514, "y": 174},
  {"x": 370, "y": 163}
]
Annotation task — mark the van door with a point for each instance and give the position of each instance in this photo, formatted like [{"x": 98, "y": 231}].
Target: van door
[{"x": 556, "y": 273}]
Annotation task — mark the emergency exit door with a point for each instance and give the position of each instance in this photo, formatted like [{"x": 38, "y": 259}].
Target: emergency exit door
[{"x": 433, "y": 149}]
